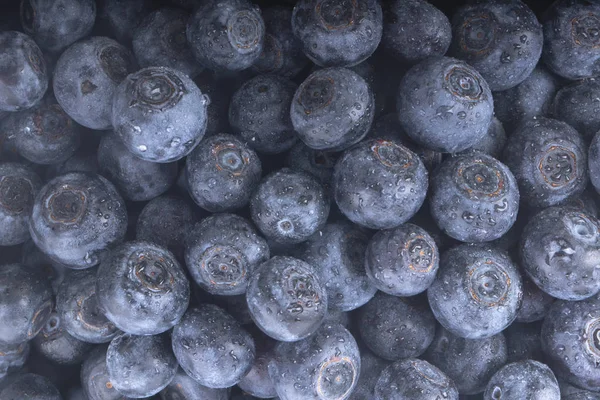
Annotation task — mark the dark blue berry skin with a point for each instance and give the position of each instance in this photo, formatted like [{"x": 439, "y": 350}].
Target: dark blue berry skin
[
  {"x": 289, "y": 206},
  {"x": 32, "y": 257},
  {"x": 184, "y": 387},
  {"x": 371, "y": 367},
  {"x": 536, "y": 302},
  {"x": 282, "y": 51},
  {"x": 12, "y": 359},
  {"x": 523, "y": 342},
  {"x": 444, "y": 104},
  {"x": 527, "y": 379},
  {"x": 570, "y": 44},
  {"x": 478, "y": 292},
  {"x": 470, "y": 363},
  {"x": 160, "y": 114},
  {"x": 81, "y": 161},
  {"x": 55, "y": 25},
  {"x": 160, "y": 41},
  {"x": 79, "y": 309},
  {"x": 294, "y": 293},
  {"x": 494, "y": 140},
  {"x": 594, "y": 162},
  {"x": 135, "y": 178},
  {"x": 122, "y": 17},
  {"x": 30, "y": 387},
  {"x": 576, "y": 105},
  {"x": 140, "y": 366},
  {"x": 94, "y": 377},
  {"x": 260, "y": 112},
  {"x": 87, "y": 75},
  {"x": 226, "y": 35},
  {"x": 166, "y": 220},
  {"x": 394, "y": 327},
  {"x": 142, "y": 288},
  {"x": 23, "y": 77},
  {"x": 416, "y": 380},
  {"x": 57, "y": 345},
  {"x": 257, "y": 381},
  {"x": 559, "y": 249},
  {"x": 332, "y": 109},
  {"x": 318, "y": 163},
  {"x": 212, "y": 347},
  {"x": 531, "y": 98},
  {"x": 300, "y": 372},
  {"x": 503, "y": 40},
  {"x": 474, "y": 198},
  {"x": 402, "y": 261},
  {"x": 219, "y": 91},
  {"x": 19, "y": 185},
  {"x": 379, "y": 184},
  {"x": 222, "y": 173},
  {"x": 76, "y": 217},
  {"x": 415, "y": 30},
  {"x": 549, "y": 159},
  {"x": 222, "y": 252},
  {"x": 338, "y": 33},
  {"x": 582, "y": 395},
  {"x": 337, "y": 253},
  {"x": 27, "y": 301}
]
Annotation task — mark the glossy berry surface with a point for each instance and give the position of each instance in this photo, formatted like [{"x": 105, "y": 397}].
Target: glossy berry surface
[
  {"x": 30, "y": 386},
  {"x": 184, "y": 387},
  {"x": 526, "y": 379},
  {"x": 575, "y": 104}
]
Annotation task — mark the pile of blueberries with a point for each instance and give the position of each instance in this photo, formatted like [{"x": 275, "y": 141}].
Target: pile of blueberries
[{"x": 299, "y": 200}]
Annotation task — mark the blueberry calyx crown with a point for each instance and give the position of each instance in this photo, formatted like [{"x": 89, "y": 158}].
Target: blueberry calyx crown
[
  {"x": 16, "y": 194},
  {"x": 316, "y": 94},
  {"x": 336, "y": 14},
  {"x": 49, "y": 121},
  {"x": 299, "y": 286},
  {"x": 419, "y": 251},
  {"x": 488, "y": 283},
  {"x": 585, "y": 30},
  {"x": 336, "y": 378},
  {"x": 115, "y": 62},
  {"x": 592, "y": 335},
  {"x": 52, "y": 326},
  {"x": 478, "y": 33},
  {"x": 223, "y": 266},
  {"x": 90, "y": 315},
  {"x": 150, "y": 268},
  {"x": 229, "y": 157},
  {"x": 392, "y": 155},
  {"x": 581, "y": 226},
  {"x": 479, "y": 178},
  {"x": 558, "y": 166},
  {"x": 244, "y": 30},
  {"x": 67, "y": 205},
  {"x": 463, "y": 84},
  {"x": 156, "y": 89}
]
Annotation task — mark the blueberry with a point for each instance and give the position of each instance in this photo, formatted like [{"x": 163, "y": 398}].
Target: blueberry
[
  {"x": 55, "y": 25},
  {"x": 136, "y": 179},
  {"x": 282, "y": 52},
  {"x": 414, "y": 30},
  {"x": 414, "y": 379},
  {"x": 371, "y": 367},
  {"x": 159, "y": 113},
  {"x": 227, "y": 35},
  {"x": 502, "y": 39},
  {"x": 585, "y": 202},
  {"x": 81, "y": 161},
  {"x": 594, "y": 162},
  {"x": 12, "y": 359},
  {"x": 394, "y": 327},
  {"x": 526, "y": 379},
  {"x": 560, "y": 248},
  {"x": 19, "y": 185},
  {"x": 32, "y": 257},
  {"x": 332, "y": 109},
  {"x": 160, "y": 41},
  {"x": 122, "y": 17},
  {"x": 23, "y": 78},
  {"x": 318, "y": 163},
  {"x": 212, "y": 347},
  {"x": 444, "y": 104},
  {"x": 523, "y": 342},
  {"x": 477, "y": 293},
  {"x": 260, "y": 113},
  {"x": 294, "y": 294},
  {"x": 536, "y": 302},
  {"x": 257, "y": 381},
  {"x": 494, "y": 140},
  {"x": 184, "y": 387},
  {"x": 27, "y": 302},
  {"x": 222, "y": 252},
  {"x": 300, "y": 372},
  {"x": 56, "y": 344},
  {"x": 337, "y": 253},
  {"x": 474, "y": 198},
  {"x": 166, "y": 221},
  {"x": 531, "y": 98},
  {"x": 576, "y": 105},
  {"x": 79, "y": 310},
  {"x": 571, "y": 40},
  {"x": 222, "y": 172},
  {"x": 379, "y": 184},
  {"x": 142, "y": 288},
  {"x": 548, "y": 159},
  {"x": 470, "y": 363},
  {"x": 140, "y": 366},
  {"x": 75, "y": 218},
  {"x": 289, "y": 206},
  {"x": 87, "y": 75},
  {"x": 30, "y": 387},
  {"x": 338, "y": 33},
  {"x": 94, "y": 377}
]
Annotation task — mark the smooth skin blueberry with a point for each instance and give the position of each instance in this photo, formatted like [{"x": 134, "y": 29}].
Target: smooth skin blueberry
[
  {"x": 212, "y": 347},
  {"x": 184, "y": 387},
  {"x": 23, "y": 76},
  {"x": 576, "y": 105},
  {"x": 444, "y": 104},
  {"x": 294, "y": 293},
  {"x": 222, "y": 253},
  {"x": 257, "y": 381},
  {"x": 536, "y": 302},
  {"x": 526, "y": 379},
  {"x": 142, "y": 288},
  {"x": 338, "y": 33},
  {"x": 494, "y": 140},
  {"x": 30, "y": 387},
  {"x": 94, "y": 377},
  {"x": 379, "y": 184},
  {"x": 477, "y": 293},
  {"x": 371, "y": 368},
  {"x": 222, "y": 173},
  {"x": 332, "y": 109},
  {"x": 318, "y": 163},
  {"x": 87, "y": 75},
  {"x": 160, "y": 114},
  {"x": 76, "y": 217}
]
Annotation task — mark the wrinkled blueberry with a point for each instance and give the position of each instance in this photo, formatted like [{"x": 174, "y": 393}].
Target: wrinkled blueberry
[{"x": 527, "y": 379}]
